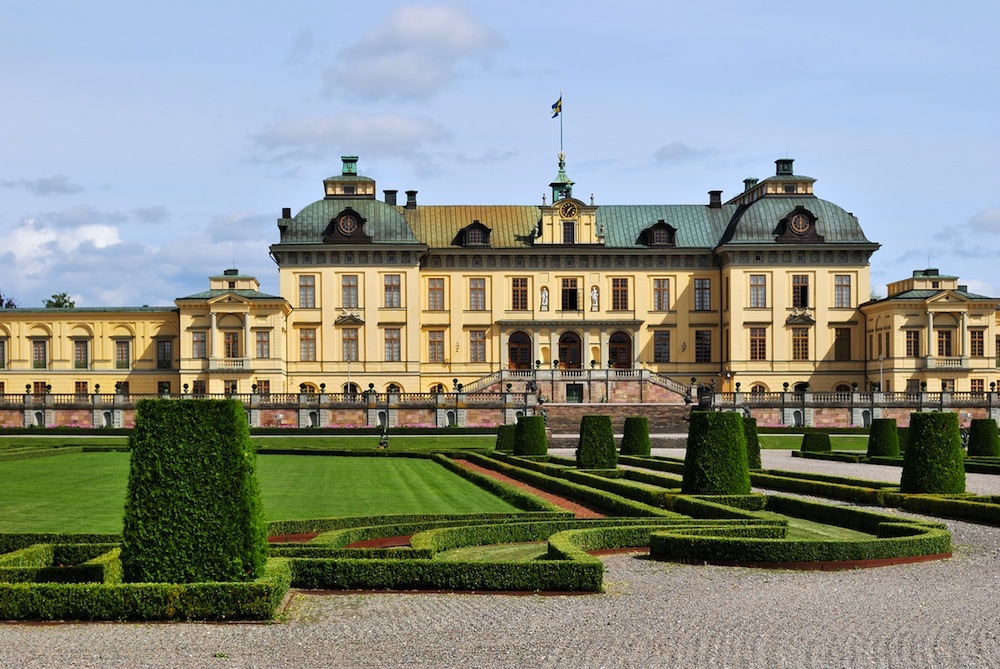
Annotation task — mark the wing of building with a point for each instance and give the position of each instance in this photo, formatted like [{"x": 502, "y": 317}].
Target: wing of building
[{"x": 767, "y": 288}]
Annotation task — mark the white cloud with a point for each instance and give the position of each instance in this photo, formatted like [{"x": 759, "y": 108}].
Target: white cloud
[
  {"x": 57, "y": 184},
  {"x": 988, "y": 220},
  {"x": 417, "y": 51},
  {"x": 677, "y": 151}
]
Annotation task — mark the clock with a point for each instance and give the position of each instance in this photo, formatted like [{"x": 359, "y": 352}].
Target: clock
[
  {"x": 347, "y": 224},
  {"x": 568, "y": 210},
  {"x": 799, "y": 224}
]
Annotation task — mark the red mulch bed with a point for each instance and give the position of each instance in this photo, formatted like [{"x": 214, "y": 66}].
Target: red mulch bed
[
  {"x": 297, "y": 538},
  {"x": 579, "y": 510}
]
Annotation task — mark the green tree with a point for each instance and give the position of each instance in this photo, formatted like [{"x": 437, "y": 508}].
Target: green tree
[
  {"x": 59, "y": 301},
  {"x": 7, "y": 302}
]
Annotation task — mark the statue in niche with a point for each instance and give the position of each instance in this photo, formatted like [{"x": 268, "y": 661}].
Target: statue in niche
[
  {"x": 595, "y": 299},
  {"x": 545, "y": 298}
]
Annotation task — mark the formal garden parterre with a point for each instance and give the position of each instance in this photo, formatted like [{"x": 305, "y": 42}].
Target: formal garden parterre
[{"x": 670, "y": 508}]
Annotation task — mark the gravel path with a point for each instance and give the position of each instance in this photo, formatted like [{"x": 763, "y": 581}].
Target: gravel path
[{"x": 936, "y": 614}]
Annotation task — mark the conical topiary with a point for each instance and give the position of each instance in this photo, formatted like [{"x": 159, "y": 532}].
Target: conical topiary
[
  {"x": 984, "y": 441},
  {"x": 505, "y": 437},
  {"x": 635, "y": 437},
  {"x": 716, "y": 459},
  {"x": 753, "y": 442},
  {"x": 883, "y": 438},
  {"x": 934, "y": 461},
  {"x": 529, "y": 436},
  {"x": 596, "y": 449}
]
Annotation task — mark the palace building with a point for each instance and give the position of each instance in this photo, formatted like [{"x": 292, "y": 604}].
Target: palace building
[{"x": 768, "y": 288}]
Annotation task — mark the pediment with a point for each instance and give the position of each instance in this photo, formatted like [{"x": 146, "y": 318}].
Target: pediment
[
  {"x": 229, "y": 298},
  {"x": 348, "y": 320},
  {"x": 800, "y": 317}
]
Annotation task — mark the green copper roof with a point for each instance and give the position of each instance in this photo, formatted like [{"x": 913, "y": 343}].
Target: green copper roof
[
  {"x": 697, "y": 225},
  {"x": 384, "y": 223},
  {"x": 923, "y": 294},
  {"x": 216, "y": 292},
  {"x": 757, "y": 222}
]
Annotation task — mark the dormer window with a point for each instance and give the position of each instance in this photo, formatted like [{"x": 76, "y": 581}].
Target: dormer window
[
  {"x": 474, "y": 234},
  {"x": 660, "y": 233},
  {"x": 661, "y": 236}
]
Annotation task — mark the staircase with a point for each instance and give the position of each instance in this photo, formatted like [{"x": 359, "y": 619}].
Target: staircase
[{"x": 564, "y": 419}]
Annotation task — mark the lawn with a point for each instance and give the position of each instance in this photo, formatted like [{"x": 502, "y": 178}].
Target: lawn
[
  {"x": 85, "y": 492},
  {"x": 792, "y": 442}
]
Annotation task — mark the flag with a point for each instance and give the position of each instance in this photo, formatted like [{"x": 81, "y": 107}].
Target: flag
[{"x": 557, "y": 107}]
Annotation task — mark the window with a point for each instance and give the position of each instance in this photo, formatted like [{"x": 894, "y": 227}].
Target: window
[
  {"x": 435, "y": 294},
  {"x": 661, "y": 294},
  {"x": 263, "y": 386},
  {"x": 519, "y": 294},
  {"x": 39, "y": 354},
  {"x": 350, "y": 344},
  {"x": 199, "y": 388},
  {"x": 81, "y": 354},
  {"x": 842, "y": 343},
  {"x": 475, "y": 236},
  {"x": 948, "y": 385},
  {"x": 758, "y": 343},
  {"x": 977, "y": 343},
  {"x": 40, "y": 388},
  {"x": 3, "y": 355},
  {"x": 569, "y": 232},
  {"x": 307, "y": 344},
  {"x": 842, "y": 291},
  {"x": 758, "y": 291},
  {"x": 944, "y": 343},
  {"x": 800, "y": 291},
  {"x": 81, "y": 388},
  {"x": 231, "y": 344},
  {"x": 570, "y": 297},
  {"x": 123, "y": 356},
  {"x": 661, "y": 346},
  {"x": 800, "y": 343},
  {"x": 263, "y": 344},
  {"x": 477, "y": 346},
  {"x": 702, "y": 294},
  {"x": 662, "y": 237},
  {"x": 164, "y": 354},
  {"x": 393, "y": 295},
  {"x": 703, "y": 346},
  {"x": 230, "y": 387},
  {"x": 199, "y": 349},
  {"x": 913, "y": 344},
  {"x": 619, "y": 294},
  {"x": 435, "y": 346},
  {"x": 477, "y": 294},
  {"x": 307, "y": 291},
  {"x": 349, "y": 291},
  {"x": 392, "y": 345},
  {"x": 977, "y": 386}
]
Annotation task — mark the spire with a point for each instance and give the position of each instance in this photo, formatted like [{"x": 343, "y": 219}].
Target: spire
[{"x": 562, "y": 187}]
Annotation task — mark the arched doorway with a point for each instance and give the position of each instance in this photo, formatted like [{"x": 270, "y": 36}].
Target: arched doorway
[
  {"x": 519, "y": 351},
  {"x": 570, "y": 351},
  {"x": 620, "y": 350}
]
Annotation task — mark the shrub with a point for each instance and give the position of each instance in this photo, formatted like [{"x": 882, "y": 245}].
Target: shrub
[
  {"x": 529, "y": 436},
  {"x": 753, "y": 443},
  {"x": 934, "y": 460},
  {"x": 635, "y": 439},
  {"x": 596, "y": 449},
  {"x": 815, "y": 441},
  {"x": 716, "y": 458},
  {"x": 505, "y": 437},
  {"x": 983, "y": 438},
  {"x": 883, "y": 439},
  {"x": 192, "y": 513}
]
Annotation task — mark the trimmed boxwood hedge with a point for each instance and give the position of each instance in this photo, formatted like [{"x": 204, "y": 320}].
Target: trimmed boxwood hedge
[
  {"x": 529, "y": 436},
  {"x": 596, "y": 449},
  {"x": 816, "y": 441},
  {"x": 934, "y": 461},
  {"x": 753, "y": 443},
  {"x": 883, "y": 439},
  {"x": 505, "y": 437},
  {"x": 193, "y": 512},
  {"x": 635, "y": 437},
  {"x": 716, "y": 458},
  {"x": 984, "y": 441}
]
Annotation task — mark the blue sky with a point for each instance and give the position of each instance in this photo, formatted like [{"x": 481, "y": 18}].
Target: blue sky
[{"x": 146, "y": 146}]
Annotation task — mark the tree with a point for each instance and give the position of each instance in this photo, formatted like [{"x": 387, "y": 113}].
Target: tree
[
  {"x": 59, "y": 301},
  {"x": 7, "y": 302}
]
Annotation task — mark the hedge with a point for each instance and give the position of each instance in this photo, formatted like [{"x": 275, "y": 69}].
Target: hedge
[
  {"x": 635, "y": 437},
  {"x": 505, "y": 437},
  {"x": 192, "y": 512},
  {"x": 816, "y": 441},
  {"x": 753, "y": 443},
  {"x": 529, "y": 436},
  {"x": 501, "y": 489},
  {"x": 596, "y": 448},
  {"x": 716, "y": 458},
  {"x": 983, "y": 438},
  {"x": 883, "y": 440},
  {"x": 934, "y": 460}
]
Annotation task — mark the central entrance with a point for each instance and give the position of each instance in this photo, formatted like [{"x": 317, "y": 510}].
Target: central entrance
[
  {"x": 570, "y": 351},
  {"x": 519, "y": 351},
  {"x": 620, "y": 350}
]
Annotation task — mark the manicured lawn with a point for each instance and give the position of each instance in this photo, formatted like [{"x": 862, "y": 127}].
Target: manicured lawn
[
  {"x": 18, "y": 442},
  {"x": 85, "y": 492},
  {"x": 792, "y": 442}
]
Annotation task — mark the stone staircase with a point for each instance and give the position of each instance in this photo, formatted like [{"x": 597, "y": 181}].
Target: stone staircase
[{"x": 563, "y": 421}]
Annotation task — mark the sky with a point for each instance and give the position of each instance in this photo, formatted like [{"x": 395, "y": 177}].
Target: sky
[{"x": 147, "y": 146}]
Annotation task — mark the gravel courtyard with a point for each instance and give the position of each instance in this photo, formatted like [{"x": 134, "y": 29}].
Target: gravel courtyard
[{"x": 936, "y": 614}]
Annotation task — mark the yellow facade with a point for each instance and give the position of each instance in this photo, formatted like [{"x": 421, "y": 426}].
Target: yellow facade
[{"x": 768, "y": 288}]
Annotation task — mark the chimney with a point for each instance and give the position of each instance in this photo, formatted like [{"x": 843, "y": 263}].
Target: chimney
[
  {"x": 784, "y": 166},
  {"x": 286, "y": 212},
  {"x": 411, "y": 199},
  {"x": 749, "y": 184},
  {"x": 390, "y": 197},
  {"x": 962, "y": 288},
  {"x": 715, "y": 199}
]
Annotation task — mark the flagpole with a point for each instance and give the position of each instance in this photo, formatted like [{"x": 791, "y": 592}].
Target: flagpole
[{"x": 560, "y": 122}]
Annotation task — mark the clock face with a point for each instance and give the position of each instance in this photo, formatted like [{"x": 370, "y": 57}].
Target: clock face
[
  {"x": 799, "y": 223},
  {"x": 568, "y": 210},
  {"x": 347, "y": 224}
]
